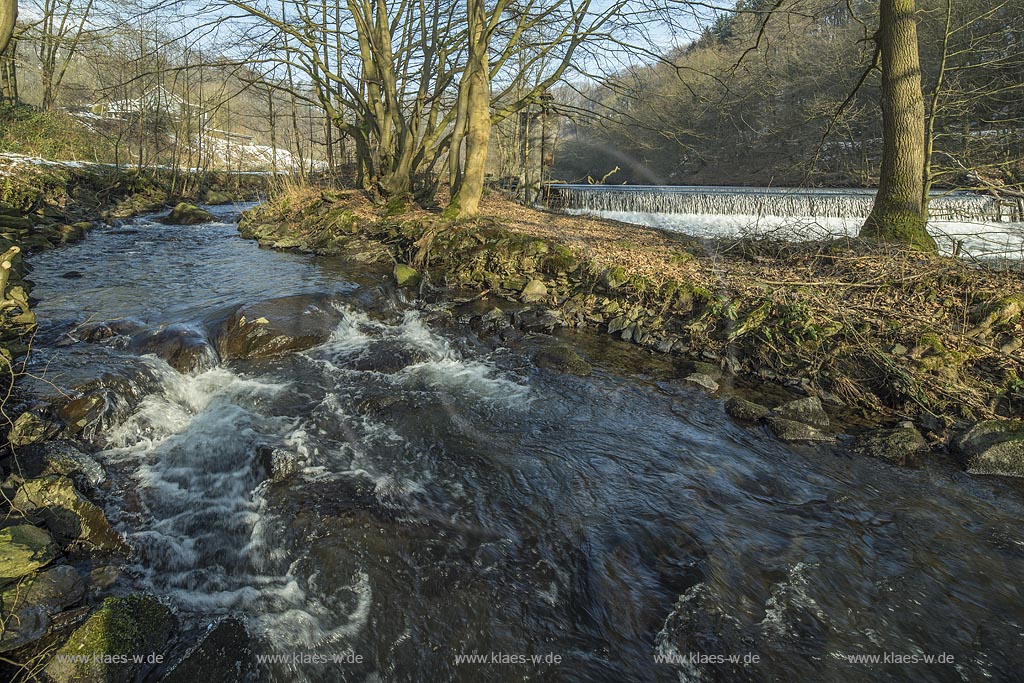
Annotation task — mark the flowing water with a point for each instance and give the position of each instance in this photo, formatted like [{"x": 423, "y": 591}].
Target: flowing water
[
  {"x": 975, "y": 225},
  {"x": 454, "y": 499}
]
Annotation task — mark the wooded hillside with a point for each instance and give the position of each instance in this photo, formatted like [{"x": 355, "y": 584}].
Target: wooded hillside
[{"x": 793, "y": 100}]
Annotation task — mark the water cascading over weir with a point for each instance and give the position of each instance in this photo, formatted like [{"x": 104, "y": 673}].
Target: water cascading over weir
[{"x": 757, "y": 201}]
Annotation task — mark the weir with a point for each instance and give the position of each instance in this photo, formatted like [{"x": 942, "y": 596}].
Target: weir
[{"x": 756, "y": 201}]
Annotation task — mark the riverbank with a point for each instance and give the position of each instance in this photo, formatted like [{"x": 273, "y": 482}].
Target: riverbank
[{"x": 880, "y": 336}]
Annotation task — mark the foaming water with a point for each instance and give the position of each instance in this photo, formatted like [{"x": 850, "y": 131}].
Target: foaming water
[{"x": 410, "y": 491}]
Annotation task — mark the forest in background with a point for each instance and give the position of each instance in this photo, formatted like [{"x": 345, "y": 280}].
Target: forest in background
[
  {"x": 424, "y": 103},
  {"x": 114, "y": 83},
  {"x": 780, "y": 102}
]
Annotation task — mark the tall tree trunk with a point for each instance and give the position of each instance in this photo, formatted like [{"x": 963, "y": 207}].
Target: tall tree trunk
[
  {"x": 8, "y": 18},
  {"x": 466, "y": 201},
  {"x": 899, "y": 214},
  {"x": 9, "y": 74}
]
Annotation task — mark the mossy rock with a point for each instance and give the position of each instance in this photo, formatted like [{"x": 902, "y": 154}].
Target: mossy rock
[
  {"x": 23, "y": 550},
  {"x": 560, "y": 259},
  {"x": 1001, "y": 311},
  {"x": 188, "y": 214},
  {"x": 534, "y": 291},
  {"x": 613, "y": 278},
  {"x": 122, "y": 628},
  {"x": 563, "y": 359},
  {"x": 30, "y": 428},
  {"x": 406, "y": 276},
  {"x": 808, "y": 411},
  {"x": 396, "y": 206},
  {"x": 993, "y": 447},
  {"x": 903, "y": 446},
  {"x": 66, "y": 512},
  {"x": 216, "y": 197},
  {"x": 9, "y": 222},
  {"x": 742, "y": 409}
]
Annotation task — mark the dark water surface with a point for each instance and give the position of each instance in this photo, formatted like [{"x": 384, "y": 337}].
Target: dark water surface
[{"x": 454, "y": 499}]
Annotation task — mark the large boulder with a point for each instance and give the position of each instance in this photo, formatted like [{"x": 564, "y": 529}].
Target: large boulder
[
  {"x": 66, "y": 512},
  {"x": 100, "y": 402},
  {"x": 903, "y": 446},
  {"x": 993, "y": 447},
  {"x": 23, "y": 550},
  {"x": 185, "y": 348},
  {"x": 291, "y": 323},
  {"x": 121, "y": 629},
  {"x": 188, "y": 214},
  {"x": 27, "y": 607}
]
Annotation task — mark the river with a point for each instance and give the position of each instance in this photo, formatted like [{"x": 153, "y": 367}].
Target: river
[{"x": 454, "y": 499}]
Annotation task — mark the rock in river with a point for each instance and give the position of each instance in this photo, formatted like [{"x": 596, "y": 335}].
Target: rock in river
[
  {"x": 120, "y": 628},
  {"x": 742, "y": 409},
  {"x": 902, "y": 446},
  {"x": 993, "y": 447},
  {"x": 290, "y": 323},
  {"x": 185, "y": 348},
  {"x": 563, "y": 359},
  {"x": 66, "y": 512},
  {"x": 797, "y": 432},
  {"x": 30, "y": 428},
  {"x": 406, "y": 276},
  {"x": 699, "y": 379},
  {"x": 26, "y": 608},
  {"x": 24, "y": 549},
  {"x": 806, "y": 410},
  {"x": 223, "y": 655},
  {"x": 188, "y": 214}
]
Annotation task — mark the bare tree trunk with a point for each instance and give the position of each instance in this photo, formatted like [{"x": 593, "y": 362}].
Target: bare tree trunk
[
  {"x": 8, "y": 18},
  {"x": 933, "y": 110},
  {"x": 466, "y": 201},
  {"x": 899, "y": 214},
  {"x": 9, "y": 74}
]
